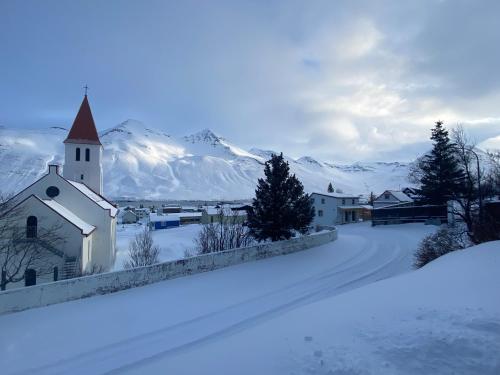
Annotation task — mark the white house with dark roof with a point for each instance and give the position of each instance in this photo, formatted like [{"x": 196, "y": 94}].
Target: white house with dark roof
[
  {"x": 73, "y": 203},
  {"x": 335, "y": 208},
  {"x": 390, "y": 198}
]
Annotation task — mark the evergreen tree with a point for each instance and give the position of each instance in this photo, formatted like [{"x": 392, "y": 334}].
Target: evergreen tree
[
  {"x": 441, "y": 175},
  {"x": 280, "y": 204},
  {"x": 330, "y": 188}
]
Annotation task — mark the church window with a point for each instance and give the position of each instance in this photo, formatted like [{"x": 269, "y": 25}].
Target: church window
[
  {"x": 31, "y": 227},
  {"x": 77, "y": 154},
  {"x": 81, "y": 177},
  {"x": 87, "y": 154},
  {"x": 52, "y": 191}
]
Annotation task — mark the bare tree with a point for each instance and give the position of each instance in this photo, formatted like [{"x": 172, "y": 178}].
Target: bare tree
[
  {"x": 479, "y": 184},
  {"x": 142, "y": 251},
  {"x": 23, "y": 247},
  {"x": 227, "y": 232}
]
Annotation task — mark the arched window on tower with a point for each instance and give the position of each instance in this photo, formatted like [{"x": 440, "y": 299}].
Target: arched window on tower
[
  {"x": 87, "y": 154},
  {"x": 31, "y": 227},
  {"x": 77, "y": 154}
]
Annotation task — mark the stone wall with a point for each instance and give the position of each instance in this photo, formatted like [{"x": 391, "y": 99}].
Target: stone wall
[{"x": 72, "y": 289}]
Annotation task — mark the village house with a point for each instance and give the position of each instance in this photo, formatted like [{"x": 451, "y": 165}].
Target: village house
[
  {"x": 390, "y": 198},
  {"x": 72, "y": 205},
  {"x": 212, "y": 215},
  {"x": 127, "y": 216},
  {"x": 336, "y": 208},
  {"x": 163, "y": 221}
]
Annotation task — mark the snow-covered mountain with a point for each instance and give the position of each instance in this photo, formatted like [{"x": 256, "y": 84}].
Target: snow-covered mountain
[{"x": 140, "y": 162}]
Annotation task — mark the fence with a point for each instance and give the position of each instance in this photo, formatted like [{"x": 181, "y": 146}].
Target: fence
[
  {"x": 410, "y": 214},
  {"x": 72, "y": 289}
]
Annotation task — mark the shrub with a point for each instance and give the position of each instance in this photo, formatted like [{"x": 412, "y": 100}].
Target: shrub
[
  {"x": 444, "y": 241},
  {"x": 142, "y": 251},
  {"x": 226, "y": 233}
]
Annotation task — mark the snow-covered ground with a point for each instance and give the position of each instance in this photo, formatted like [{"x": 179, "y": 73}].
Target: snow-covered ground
[
  {"x": 330, "y": 310},
  {"x": 173, "y": 242}
]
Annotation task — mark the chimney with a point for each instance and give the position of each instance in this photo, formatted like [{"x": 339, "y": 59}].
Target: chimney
[{"x": 53, "y": 168}]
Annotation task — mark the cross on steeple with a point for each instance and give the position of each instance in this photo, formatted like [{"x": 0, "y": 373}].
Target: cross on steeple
[{"x": 86, "y": 89}]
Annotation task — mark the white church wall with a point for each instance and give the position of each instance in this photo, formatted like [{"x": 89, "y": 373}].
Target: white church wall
[
  {"x": 82, "y": 206},
  {"x": 67, "y": 290},
  {"x": 71, "y": 236}
]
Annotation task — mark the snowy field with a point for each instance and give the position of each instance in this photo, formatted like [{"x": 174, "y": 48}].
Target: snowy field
[
  {"x": 329, "y": 310},
  {"x": 173, "y": 242}
]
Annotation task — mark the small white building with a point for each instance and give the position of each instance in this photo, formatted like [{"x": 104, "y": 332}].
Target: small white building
[
  {"x": 390, "y": 198},
  {"x": 127, "y": 217},
  {"x": 335, "y": 208},
  {"x": 72, "y": 205}
]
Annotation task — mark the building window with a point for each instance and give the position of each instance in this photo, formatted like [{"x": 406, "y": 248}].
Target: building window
[
  {"x": 31, "y": 227},
  {"x": 87, "y": 154},
  {"x": 52, "y": 191},
  {"x": 320, "y": 213},
  {"x": 322, "y": 200},
  {"x": 346, "y": 216},
  {"x": 387, "y": 196},
  {"x": 353, "y": 201},
  {"x": 81, "y": 177},
  {"x": 343, "y": 201},
  {"x": 77, "y": 156}
]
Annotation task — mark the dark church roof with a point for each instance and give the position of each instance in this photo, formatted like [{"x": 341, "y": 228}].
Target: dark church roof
[{"x": 83, "y": 129}]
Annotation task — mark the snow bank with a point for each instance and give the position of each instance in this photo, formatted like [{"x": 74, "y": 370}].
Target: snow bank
[{"x": 441, "y": 319}]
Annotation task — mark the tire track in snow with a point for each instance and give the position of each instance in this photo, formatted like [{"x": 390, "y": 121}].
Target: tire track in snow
[{"x": 161, "y": 343}]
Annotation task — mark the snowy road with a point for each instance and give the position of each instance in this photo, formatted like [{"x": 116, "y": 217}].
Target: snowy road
[{"x": 158, "y": 326}]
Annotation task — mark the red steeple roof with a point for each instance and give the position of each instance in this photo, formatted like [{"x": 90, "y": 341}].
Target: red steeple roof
[{"x": 83, "y": 129}]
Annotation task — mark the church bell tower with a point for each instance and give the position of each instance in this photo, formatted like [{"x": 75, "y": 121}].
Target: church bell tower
[{"x": 83, "y": 150}]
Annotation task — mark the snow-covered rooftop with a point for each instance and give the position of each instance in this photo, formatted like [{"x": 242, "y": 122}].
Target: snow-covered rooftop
[
  {"x": 156, "y": 217},
  {"x": 400, "y": 196},
  {"x": 95, "y": 197},
  {"x": 337, "y": 195},
  {"x": 68, "y": 215}
]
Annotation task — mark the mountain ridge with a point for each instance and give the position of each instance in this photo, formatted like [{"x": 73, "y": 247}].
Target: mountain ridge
[{"x": 145, "y": 163}]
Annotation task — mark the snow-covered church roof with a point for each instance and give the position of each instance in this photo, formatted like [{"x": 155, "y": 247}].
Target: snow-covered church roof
[{"x": 95, "y": 197}]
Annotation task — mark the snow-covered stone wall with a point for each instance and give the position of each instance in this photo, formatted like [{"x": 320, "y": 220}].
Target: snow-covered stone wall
[{"x": 72, "y": 289}]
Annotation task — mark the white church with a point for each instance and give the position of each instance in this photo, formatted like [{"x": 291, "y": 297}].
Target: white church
[{"x": 73, "y": 203}]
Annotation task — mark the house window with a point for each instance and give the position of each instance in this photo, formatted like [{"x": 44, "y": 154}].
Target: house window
[
  {"x": 320, "y": 213},
  {"x": 322, "y": 200},
  {"x": 81, "y": 177},
  {"x": 31, "y": 227},
  {"x": 77, "y": 156},
  {"x": 87, "y": 154},
  {"x": 343, "y": 201},
  {"x": 353, "y": 201},
  {"x": 387, "y": 196},
  {"x": 346, "y": 216}
]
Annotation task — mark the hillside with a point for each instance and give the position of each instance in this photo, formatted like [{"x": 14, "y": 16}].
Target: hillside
[{"x": 140, "y": 162}]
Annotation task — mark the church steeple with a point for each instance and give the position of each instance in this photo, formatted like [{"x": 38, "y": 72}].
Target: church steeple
[
  {"x": 83, "y": 129},
  {"x": 83, "y": 150}
]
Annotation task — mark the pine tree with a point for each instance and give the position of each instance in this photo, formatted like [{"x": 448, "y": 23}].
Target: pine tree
[
  {"x": 280, "y": 204},
  {"x": 442, "y": 177},
  {"x": 330, "y": 188}
]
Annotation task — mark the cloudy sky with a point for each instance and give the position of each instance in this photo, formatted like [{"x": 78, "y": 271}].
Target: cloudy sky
[{"x": 340, "y": 81}]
